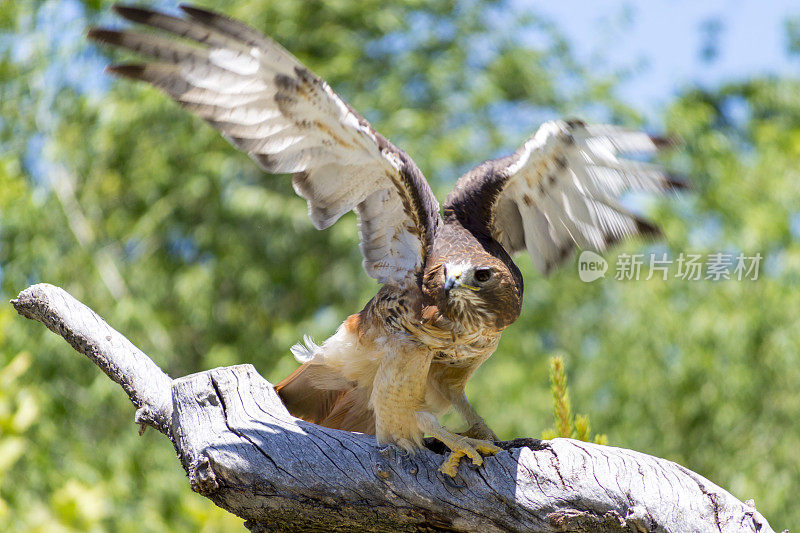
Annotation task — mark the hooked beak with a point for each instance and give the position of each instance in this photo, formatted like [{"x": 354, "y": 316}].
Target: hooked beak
[{"x": 454, "y": 278}]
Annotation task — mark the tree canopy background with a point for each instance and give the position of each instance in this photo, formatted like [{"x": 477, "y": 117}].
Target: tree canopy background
[{"x": 149, "y": 217}]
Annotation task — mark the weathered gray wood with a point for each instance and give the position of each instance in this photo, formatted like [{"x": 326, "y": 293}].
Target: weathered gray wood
[
  {"x": 147, "y": 386},
  {"x": 244, "y": 451}
]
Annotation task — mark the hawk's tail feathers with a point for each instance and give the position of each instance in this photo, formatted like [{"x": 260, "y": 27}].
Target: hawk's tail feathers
[{"x": 343, "y": 408}]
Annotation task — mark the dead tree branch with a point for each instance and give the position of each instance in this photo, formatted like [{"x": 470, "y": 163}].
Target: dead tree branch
[{"x": 245, "y": 452}]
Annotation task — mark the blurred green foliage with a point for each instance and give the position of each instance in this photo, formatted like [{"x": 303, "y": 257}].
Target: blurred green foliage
[{"x": 145, "y": 214}]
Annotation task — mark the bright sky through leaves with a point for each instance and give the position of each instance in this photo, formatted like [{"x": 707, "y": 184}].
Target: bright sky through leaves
[{"x": 673, "y": 44}]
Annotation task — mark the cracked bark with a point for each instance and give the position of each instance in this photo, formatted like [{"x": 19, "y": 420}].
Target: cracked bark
[{"x": 242, "y": 449}]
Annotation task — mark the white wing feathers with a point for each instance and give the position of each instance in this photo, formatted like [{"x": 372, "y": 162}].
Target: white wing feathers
[
  {"x": 560, "y": 189},
  {"x": 265, "y": 102}
]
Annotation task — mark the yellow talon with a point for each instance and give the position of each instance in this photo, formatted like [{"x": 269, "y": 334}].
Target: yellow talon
[
  {"x": 488, "y": 448},
  {"x": 471, "y": 448},
  {"x": 450, "y": 465}
]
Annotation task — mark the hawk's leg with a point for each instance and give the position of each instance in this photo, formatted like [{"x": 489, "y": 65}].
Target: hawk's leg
[
  {"x": 450, "y": 381},
  {"x": 459, "y": 445},
  {"x": 398, "y": 392},
  {"x": 477, "y": 426}
]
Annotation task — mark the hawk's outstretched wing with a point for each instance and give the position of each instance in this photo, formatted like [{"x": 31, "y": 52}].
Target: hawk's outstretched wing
[
  {"x": 288, "y": 120},
  {"x": 559, "y": 190}
]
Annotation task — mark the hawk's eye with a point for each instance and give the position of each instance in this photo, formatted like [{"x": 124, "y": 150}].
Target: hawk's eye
[{"x": 483, "y": 274}]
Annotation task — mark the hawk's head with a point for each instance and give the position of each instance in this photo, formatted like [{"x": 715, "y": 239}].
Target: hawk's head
[{"x": 477, "y": 291}]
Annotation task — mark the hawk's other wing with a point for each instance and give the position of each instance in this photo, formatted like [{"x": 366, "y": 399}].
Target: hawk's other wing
[
  {"x": 559, "y": 190},
  {"x": 265, "y": 102}
]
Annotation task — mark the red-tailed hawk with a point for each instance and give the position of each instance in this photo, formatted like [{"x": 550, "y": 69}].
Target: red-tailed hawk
[{"x": 450, "y": 287}]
